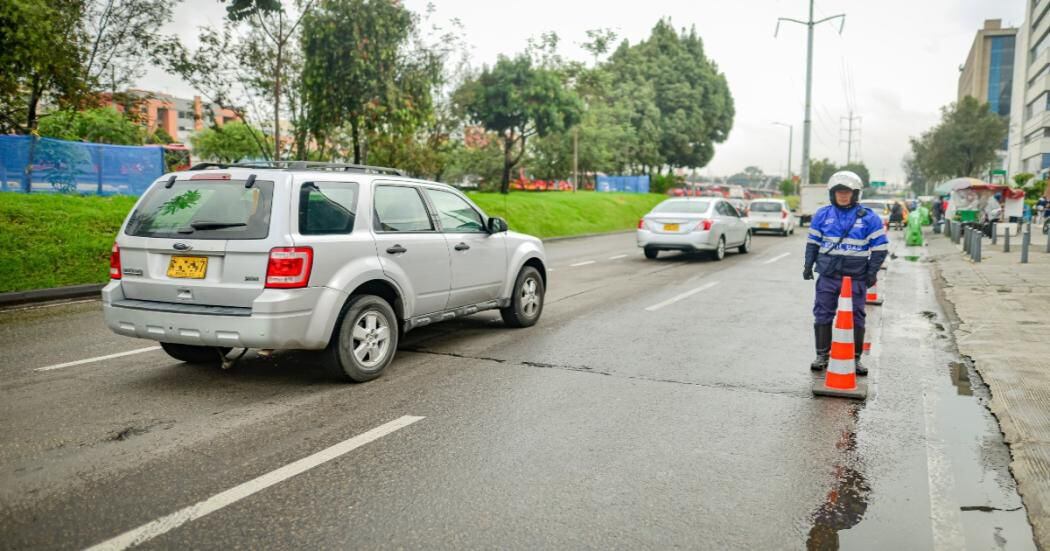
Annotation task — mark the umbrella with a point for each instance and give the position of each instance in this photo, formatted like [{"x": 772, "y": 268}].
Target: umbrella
[{"x": 957, "y": 183}]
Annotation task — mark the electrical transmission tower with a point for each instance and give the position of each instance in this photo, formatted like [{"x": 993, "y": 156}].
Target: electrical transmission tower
[{"x": 850, "y": 127}]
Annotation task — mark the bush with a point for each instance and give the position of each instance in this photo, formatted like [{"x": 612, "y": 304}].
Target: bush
[{"x": 660, "y": 184}]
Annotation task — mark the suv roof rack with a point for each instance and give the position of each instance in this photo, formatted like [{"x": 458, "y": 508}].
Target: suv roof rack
[{"x": 303, "y": 165}]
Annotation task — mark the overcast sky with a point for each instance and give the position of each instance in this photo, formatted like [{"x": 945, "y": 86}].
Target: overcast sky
[{"x": 901, "y": 56}]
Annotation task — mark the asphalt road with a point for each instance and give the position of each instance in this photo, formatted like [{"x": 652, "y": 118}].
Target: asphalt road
[{"x": 657, "y": 404}]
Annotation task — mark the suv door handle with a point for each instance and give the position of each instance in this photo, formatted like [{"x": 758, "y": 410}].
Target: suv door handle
[
  {"x": 397, "y": 249},
  {"x": 462, "y": 247}
]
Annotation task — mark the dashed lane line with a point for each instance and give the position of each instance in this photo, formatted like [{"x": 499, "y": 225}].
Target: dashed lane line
[
  {"x": 168, "y": 523},
  {"x": 776, "y": 258},
  {"x": 682, "y": 296},
  {"x": 617, "y": 257},
  {"x": 584, "y": 263},
  {"x": 97, "y": 359}
]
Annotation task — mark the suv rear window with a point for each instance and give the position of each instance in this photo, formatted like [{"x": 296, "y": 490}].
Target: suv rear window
[
  {"x": 327, "y": 208},
  {"x": 204, "y": 210},
  {"x": 765, "y": 206}
]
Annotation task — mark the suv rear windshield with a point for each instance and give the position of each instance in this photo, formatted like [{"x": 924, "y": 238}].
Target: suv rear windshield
[
  {"x": 204, "y": 210},
  {"x": 765, "y": 206},
  {"x": 684, "y": 207},
  {"x": 874, "y": 205}
]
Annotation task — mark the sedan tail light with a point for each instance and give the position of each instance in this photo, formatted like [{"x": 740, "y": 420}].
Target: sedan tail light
[
  {"x": 289, "y": 267},
  {"x": 114, "y": 262},
  {"x": 704, "y": 225}
]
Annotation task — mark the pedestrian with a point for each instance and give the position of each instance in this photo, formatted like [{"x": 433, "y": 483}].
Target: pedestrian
[
  {"x": 938, "y": 211},
  {"x": 897, "y": 216},
  {"x": 1040, "y": 208},
  {"x": 845, "y": 239}
]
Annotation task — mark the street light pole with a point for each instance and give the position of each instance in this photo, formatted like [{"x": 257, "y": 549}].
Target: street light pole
[
  {"x": 791, "y": 140},
  {"x": 807, "y": 122}
]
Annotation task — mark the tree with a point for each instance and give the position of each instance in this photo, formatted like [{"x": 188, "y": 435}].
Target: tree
[
  {"x": 516, "y": 100},
  {"x": 1021, "y": 179},
  {"x": 228, "y": 143},
  {"x": 359, "y": 73},
  {"x": 787, "y": 187},
  {"x": 860, "y": 170},
  {"x": 821, "y": 170},
  {"x": 100, "y": 125},
  {"x": 120, "y": 36},
  {"x": 692, "y": 97},
  {"x": 964, "y": 143},
  {"x": 913, "y": 174}
]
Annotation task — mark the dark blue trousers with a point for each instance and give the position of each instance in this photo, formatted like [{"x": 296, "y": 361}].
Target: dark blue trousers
[{"x": 826, "y": 301}]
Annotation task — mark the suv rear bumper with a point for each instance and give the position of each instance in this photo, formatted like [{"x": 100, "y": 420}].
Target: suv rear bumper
[{"x": 279, "y": 319}]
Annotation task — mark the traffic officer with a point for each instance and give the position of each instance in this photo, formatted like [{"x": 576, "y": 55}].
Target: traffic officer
[{"x": 845, "y": 239}]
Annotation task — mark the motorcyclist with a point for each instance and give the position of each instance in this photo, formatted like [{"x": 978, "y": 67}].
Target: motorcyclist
[{"x": 845, "y": 239}]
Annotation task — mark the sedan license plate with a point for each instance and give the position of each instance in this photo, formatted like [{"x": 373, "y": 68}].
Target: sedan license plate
[
  {"x": 671, "y": 227},
  {"x": 188, "y": 267},
  {"x": 763, "y": 224}
]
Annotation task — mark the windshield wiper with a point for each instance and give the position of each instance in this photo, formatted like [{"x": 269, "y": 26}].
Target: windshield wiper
[{"x": 216, "y": 225}]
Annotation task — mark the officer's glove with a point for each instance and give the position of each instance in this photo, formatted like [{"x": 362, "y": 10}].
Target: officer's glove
[
  {"x": 807, "y": 273},
  {"x": 872, "y": 279}
]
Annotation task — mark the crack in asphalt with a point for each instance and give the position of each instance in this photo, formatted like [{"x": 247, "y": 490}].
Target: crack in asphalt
[
  {"x": 593, "y": 371},
  {"x": 987, "y": 509}
]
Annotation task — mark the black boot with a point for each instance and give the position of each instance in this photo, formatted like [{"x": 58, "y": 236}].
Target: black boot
[
  {"x": 858, "y": 349},
  {"x": 822, "y": 338}
]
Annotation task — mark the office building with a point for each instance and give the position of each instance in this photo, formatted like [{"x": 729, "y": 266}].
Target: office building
[{"x": 988, "y": 73}]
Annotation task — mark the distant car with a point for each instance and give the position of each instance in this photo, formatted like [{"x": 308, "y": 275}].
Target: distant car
[
  {"x": 739, "y": 204},
  {"x": 772, "y": 215},
  {"x": 694, "y": 224},
  {"x": 880, "y": 207}
]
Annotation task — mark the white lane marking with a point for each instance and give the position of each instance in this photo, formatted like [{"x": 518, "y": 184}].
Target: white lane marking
[
  {"x": 584, "y": 263},
  {"x": 776, "y": 258},
  {"x": 617, "y": 257},
  {"x": 682, "y": 296},
  {"x": 163, "y": 525},
  {"x": 98, "y": 359}
]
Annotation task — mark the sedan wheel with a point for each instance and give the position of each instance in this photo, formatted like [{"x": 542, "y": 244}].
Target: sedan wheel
[
  {"x": 747, "y": 244},
  {"x": 720, "y": 252}
]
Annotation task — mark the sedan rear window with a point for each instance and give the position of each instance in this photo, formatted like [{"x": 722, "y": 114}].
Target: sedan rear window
[
  {"x": 765, "y": 206},
  {"x": 684, "y": 207},
  {"x": 204, "y": 210},
  {"x": 875, "y": 206}
]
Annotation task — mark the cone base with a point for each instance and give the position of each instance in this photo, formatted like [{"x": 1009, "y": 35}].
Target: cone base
[
  {"x": 859, "y": 393},
  {"x": 877, "y": 302}
]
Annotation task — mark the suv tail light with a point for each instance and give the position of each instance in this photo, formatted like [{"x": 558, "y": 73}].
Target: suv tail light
[
  {"x": 704, "y": 225},
  {"x": 114, "y": 262},
  {"x": 783, "y": 214},
  {"x": 641, "y": 223},
  {"x": 289, "y": 267}
]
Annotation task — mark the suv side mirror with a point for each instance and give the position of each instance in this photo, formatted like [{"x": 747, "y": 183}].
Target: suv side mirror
[{"x": 497, "y": 225}]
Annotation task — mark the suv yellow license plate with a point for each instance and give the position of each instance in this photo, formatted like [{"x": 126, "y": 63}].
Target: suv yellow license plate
[
  {"x": 763, "y": 224},
  {"x": 670, "y": 227},
  {"x": 188, "y": 267}
]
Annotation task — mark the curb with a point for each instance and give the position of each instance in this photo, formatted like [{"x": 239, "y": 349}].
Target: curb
[
  {"x": 42, "y": 295},
  {"x": 585, "y": 236}
]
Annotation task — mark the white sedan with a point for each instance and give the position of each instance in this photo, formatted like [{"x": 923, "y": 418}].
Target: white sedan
[
  {"x": 694, "y": 224},
  {"x": 771, "y": 215}
]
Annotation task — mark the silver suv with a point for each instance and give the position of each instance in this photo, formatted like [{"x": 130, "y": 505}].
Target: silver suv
[{"x": 312, "y": 256}]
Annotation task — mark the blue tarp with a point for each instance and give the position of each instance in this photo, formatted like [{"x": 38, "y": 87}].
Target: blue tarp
[
  {"x": 77, "y": 167},
  {"x": 626, "y": 184}
]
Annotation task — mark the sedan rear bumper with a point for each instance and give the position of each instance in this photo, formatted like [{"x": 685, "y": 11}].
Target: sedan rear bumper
[{"x": 693, "y": 241}]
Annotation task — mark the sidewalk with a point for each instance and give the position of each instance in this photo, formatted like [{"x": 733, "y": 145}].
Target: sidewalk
[{"x": 1002, "y": 310}]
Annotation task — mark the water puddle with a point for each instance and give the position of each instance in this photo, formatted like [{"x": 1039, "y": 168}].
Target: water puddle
[{"x": 846, "y": 501}]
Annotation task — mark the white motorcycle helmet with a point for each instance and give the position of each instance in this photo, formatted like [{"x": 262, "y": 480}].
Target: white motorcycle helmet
[{"x": 848, "y": 180}]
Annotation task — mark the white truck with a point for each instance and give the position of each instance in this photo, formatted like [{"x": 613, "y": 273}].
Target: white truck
[{"x": 813, "y": 197}]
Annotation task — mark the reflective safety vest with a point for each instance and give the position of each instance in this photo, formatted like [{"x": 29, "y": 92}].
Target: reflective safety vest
[{"x": 846, "y": 242}]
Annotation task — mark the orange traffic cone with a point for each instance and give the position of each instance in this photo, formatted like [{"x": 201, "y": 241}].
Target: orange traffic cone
[
  {"x": 867, "y": 341},
  {"x": 841, "y": 378},
  {"x": 873, "y": 296}
]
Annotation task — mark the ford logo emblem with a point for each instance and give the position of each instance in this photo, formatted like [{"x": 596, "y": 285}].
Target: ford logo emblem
[{"x": 182, "y": 246}]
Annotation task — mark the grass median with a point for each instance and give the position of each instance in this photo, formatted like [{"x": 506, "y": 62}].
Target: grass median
[{"x": 50, "y": 240}]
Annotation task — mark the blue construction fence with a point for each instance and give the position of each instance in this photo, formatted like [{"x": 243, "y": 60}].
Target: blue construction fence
[
  {"x": 624, "y": 184},
  {"x": 59, "y": 166}
]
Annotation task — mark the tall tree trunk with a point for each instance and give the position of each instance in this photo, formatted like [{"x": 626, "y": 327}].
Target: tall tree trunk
[
  {"x": 277, "y": 107},
  {"x": 35, "y": 91},
  {"x": 356, "y": 136},
  {"x": 508, "y": 144}
]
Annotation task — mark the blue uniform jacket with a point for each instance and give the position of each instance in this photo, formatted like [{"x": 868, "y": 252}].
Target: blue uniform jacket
[{"x": 862, "y": 250}]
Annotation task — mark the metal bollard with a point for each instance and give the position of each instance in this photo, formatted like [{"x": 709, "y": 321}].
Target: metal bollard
[
  {"x": 1026, "y": 240},
  {"x": 1006, "y": 240},
  {"x": 956, "y": 233},
  {"x": 966, "y": 240},
  {"x": 975, "y": 249},
  {"x": 995, "y": 233}
]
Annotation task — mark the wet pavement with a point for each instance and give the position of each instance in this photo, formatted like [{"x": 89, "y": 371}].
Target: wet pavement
[{"x": 657, "y": 404}]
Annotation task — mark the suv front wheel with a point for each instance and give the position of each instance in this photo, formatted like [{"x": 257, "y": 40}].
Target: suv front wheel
[
  {"x": 526, "y": 300},
  {"x": 364, "y": 341}
]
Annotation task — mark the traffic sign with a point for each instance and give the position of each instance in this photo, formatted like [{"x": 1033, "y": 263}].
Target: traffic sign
[{"x": 877, "y": 183}]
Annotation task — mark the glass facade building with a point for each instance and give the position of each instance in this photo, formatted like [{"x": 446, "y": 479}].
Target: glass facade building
[{"x": 1001, "y": 74}]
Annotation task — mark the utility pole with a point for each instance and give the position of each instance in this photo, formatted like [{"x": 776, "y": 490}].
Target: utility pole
[
  {"x": 791, "y": 140},
  {"x": 575, "y": 158},
  {"x": 807, "y": 121},
  {"x": 849, "y": 130}
]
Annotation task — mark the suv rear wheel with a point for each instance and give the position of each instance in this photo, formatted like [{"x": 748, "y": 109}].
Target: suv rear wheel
[
  {"x": 194, "y": 354},
  {"x": 526, "y": 302},
  {"x": 365, "y": 340}
]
